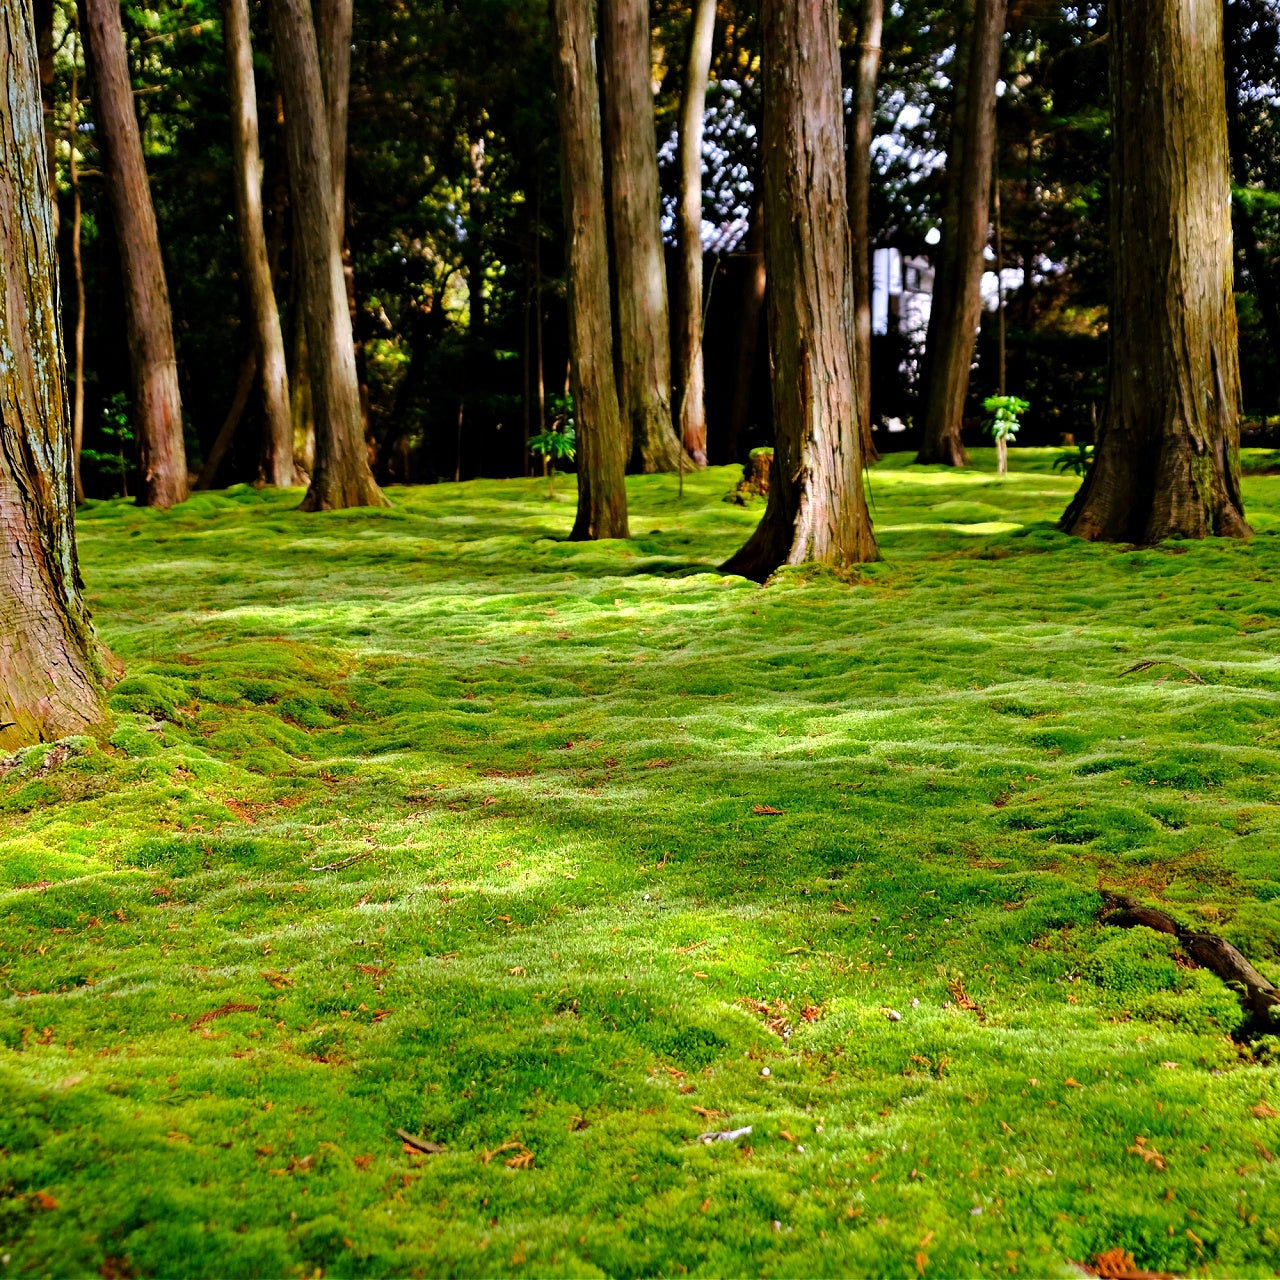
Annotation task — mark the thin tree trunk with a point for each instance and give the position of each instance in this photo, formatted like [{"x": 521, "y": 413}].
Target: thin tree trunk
[
  {"x": 601, "y": 448},
  {"x": 341, "y": 477},
  {"x": 247, "y": 166},
  {"x": 870, "y": 27},
  {"x": 473, "y": 247},
  {"x": 230, "y": 424},
  {"x": 1167, "y": 459},
  {"x": 957, "y": 284},
  {"x": 157, "y": 403},
  {"x": 43, "y": 10},
  {"x": 689, "y": 368},
  {"x": 817, "y": 508},
  {"x": 50, "y": 667},
  {"x": 1001, "y": 336},
  {"x": 77, "y": 268},
  {"x": 644, "y": 326},
  {"x": 333, "y": 24},
  {"x": 537, "y": 308},
  {"x": 753, "y": 293}
]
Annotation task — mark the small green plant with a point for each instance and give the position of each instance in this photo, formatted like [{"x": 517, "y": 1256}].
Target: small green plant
[
  {"x": 1003, "y": 413},
  {"x": 1077, "y": 460},
  {"x": 558, "y": 442},
  {"x": 116, "y": 430}
]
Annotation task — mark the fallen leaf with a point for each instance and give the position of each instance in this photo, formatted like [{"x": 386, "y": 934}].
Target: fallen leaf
[
  {"x": 362, "y": 1162},
  {"x": 1072, "y": 1083},
  {"x": 706, "y": 1204},
  {"x": 374, "y": 971},
  {"x": 517, "y": 971},
  {"x": 783, "y": 1133},
  {"x": 765, "y": 810},
  {"x": 1149, "y": 1154},
  {"x": 1116, "y": 1264},
  {"x": 960, "y": 995},
  {"x": 44, "y": 1200},
  {"x": 837, "y": 905},
  {"x": 523, "y": 1159},
  {"x": 707, "y": 1113},
  {"x": 277, "y": 980},
  {"x": 1263, "y": 1111}
]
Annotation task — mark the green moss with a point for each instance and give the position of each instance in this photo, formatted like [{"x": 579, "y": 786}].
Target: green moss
[{"x": 547, "y": 912}]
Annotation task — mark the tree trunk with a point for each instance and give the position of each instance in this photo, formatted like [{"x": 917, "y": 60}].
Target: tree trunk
[
  {"x": 870, "y": 27},
  {"x": 50, "y": 668},
  {"x": 341, "y": 477},
  {"x": 43, "y": 10},
  {"x": 754, "y": 283},
  {"x": 957, "y": 282},
  {"x": 247, "y": 165},
  {"x": 77, "y": 268},
  {"x": 601, "y": 449},
  {"x": 644, "y": 327},
  {"x": 333, "y": 21},
  {"x": 1167, "y": 462},
  {"x": 690, "y": 374},
  {"x": 157, "y": 403},
  {"x": 817, "y": 509}
]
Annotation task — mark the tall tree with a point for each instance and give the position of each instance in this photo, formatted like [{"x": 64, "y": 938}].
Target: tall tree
[
  {"x": 265, "y": 316},
  {"x": 644, "y": 341},
  {"x": 817, "y": 509},
  {"x": 957, "y": 282},
  {"x": 157, "y": 403},
  {"x": 602, "y": 454},
  {"x": 1166, "y": 463},
  {"x": 333, "y": 19},
  {"x": 690, "y": 372},
  {"x": 861, "y": 126},
  {"x": 50, "y": 670},
  {"x": 342, "y": 477}
]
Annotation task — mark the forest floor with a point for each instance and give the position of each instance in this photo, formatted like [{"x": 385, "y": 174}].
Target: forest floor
[{"x": 560, "y": 855}]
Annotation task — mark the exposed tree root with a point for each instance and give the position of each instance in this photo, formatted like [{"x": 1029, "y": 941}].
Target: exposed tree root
[{"x": 1207, "y": 950}]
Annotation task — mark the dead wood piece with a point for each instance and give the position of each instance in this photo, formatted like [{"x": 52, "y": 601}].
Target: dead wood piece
[
  {"x": 221, "y": 1012},
  {"x": 425, "y": 1145},
  {"x": 346, "y": 862}
]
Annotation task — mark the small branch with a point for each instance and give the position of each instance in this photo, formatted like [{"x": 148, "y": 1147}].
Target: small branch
[
  {"x": 1147, "y": 663},
  {"x": 346, "y": 862},
  {"x": 424, "y": 1145}
]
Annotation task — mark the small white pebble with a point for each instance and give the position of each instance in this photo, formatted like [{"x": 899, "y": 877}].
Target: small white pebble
[
  {"x": 973, "y": 1213},
  {"x": 893, "y": 1015},
  {"x": 764, "y": 1071},
  {"x": 777, "y": 1226},
  {"x": 646, "y": 897},
  {"x": 915, "y": 1004},
  {"x": 799, "y": 1148}
]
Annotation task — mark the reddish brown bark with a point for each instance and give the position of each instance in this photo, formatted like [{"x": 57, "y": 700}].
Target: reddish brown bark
[
  {"x": 644, "y": 343},
  {"x": 50, "y": 669},
  {"x": 817, "y": 509},
  {"x": 157, "y": 403},
  {"x": 1166, "y": 462},
  {"x": 341, "y": 477},
  {"x": 690, "y": 371},
  {"x": 602, "y": 491},
  {"x": 264, "y": 314},
  {"x": 870, "y": 27},
  {"x": 957, "y": 282}
]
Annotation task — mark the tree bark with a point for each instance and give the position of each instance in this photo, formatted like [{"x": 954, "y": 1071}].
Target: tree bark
[
  {"x": 333, "y": 20},
  {"x": 957, "y": 282},
  {"x": 870, "y": 28},
  {"x": 1166, "y": 463},
  {"x": 601, "y": 448},
  {"x": 644, "y": 326},
  {"x": 157, "y": 403},
  {"x": 50, "y": 668},
  {"x": 265, "y": 316},
  {"x": 817, "y": 508},
  {"x": 754, "y": 284},
  {"x": 342, "y": 477},
  {"x": 77, "y": 268},
  {"x": 690, "y": 372}
]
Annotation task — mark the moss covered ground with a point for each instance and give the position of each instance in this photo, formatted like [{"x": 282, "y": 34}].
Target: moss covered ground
[{"x": 560, "y": 855}]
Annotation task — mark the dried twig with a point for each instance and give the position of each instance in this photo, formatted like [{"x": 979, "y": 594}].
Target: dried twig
[
  {"x": 1147, "y": 663},
  {"x": 221, "y": 1012},
  {"x": 346, "y": 862}
]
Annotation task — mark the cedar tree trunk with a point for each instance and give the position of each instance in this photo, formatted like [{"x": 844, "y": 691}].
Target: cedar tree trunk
[
  {"x": 1166, "y": 463},
  {"x": 247, "y": 165},
  {"x": 690, "y": 373},
  {"x": 870, "y": 26},
  {"x": 50, "y": 673},
  {"x": 754, "y": 283},
  {"x": 817, "y": 509},
  {"x": 644, "y": 327},
  {"x": 602, "y": 454},
  {"x": 966, "y": 221},
  {"x": 341, "y": 477},
  {"x": 157, "y": 404}
]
